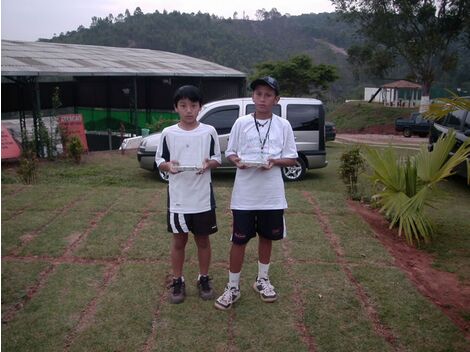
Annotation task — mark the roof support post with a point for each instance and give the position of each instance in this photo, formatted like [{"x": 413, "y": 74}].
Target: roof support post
[
  {"x": 37, "y": 120},
  {"x": 135, "y": 107}
]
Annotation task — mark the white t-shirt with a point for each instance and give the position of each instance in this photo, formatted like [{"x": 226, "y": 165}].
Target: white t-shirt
[
  {"x": 257, "y": 188},
  {"x": 189, "y": 192}
]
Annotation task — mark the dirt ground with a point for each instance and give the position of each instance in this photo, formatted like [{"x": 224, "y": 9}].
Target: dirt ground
[{"x": 443, "y": 288}]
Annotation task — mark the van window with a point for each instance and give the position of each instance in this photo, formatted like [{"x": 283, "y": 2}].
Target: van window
[
  {"x": 222, "y": 118},
  {"x": 303, "y": 117},
  {"x": 276, "y": 109}
]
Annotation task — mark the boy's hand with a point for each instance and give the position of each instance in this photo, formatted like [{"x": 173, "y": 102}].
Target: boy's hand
[
  {"x": 271, "y": 163},
  {"x": 236, "y": 161},
  {"x": 171, "y": 166},
  {"x": 207, "y": 165}
]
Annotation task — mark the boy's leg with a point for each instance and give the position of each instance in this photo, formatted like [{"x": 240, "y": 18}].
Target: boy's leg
[
  {"x": 177, "y": 288},
  {"x": 237, "y": 256},
  {"x": 264, "y": 255},
  {"x": 232, "y": 290},
  {"x": 203, "y": 245},
  {"x": 178, "y": 246},
  {"x": 204, "y": 256},
  {"x": 264, "y": 250},
  {"x": 243, "y": 230},
  {"x": 271, "y": 227},
  {"x": 262, "y": 285}
]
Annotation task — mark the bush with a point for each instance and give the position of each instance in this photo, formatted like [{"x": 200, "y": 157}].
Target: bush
[
  {"x": 75, "y": 149},
  {"x": 28, "y": 169},
  {"x": 352, "y": 164},
  {"x": 161, "y": 123}
]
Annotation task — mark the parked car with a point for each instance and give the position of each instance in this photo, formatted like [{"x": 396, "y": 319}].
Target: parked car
[
  {"x": 307, "y": 117},
  {"x": 330, "y": 131},
  {"x": 459, "y": 120},
  {"x": 415, "y": 124}
]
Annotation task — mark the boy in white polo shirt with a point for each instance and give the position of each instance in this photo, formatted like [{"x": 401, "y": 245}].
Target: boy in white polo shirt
[
  {"x": 260, "y": 144},
  {"x": 188, "y": 151}
]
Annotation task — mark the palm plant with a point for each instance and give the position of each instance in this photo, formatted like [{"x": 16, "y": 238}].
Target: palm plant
[
  {"x": 443, "y": 106},
  {"x": 407, "y": 182}
]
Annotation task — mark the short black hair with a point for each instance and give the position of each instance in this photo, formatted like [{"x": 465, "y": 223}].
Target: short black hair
[{"x": 190, "y": 92}]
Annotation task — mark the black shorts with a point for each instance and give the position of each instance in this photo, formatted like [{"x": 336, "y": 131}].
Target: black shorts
[
  {"x": 199, "y": 224},
  {"x": 267, "y": 223}
]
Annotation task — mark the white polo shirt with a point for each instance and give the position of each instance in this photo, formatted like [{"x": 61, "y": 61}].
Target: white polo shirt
[{"x": 257, "y": 188}]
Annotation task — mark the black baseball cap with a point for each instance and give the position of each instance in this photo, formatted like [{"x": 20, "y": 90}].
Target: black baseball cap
[{"x": 266, "y": 81}]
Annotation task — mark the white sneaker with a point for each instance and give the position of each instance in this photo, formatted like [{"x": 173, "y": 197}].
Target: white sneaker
[
  {"x": 265, "y": 290},
  {"x": 229, "y": 297}
]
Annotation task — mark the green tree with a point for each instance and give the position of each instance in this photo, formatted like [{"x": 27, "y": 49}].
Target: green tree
[
  {"x": 420, "y": 32},
  {"x": 298, "y": 76}
]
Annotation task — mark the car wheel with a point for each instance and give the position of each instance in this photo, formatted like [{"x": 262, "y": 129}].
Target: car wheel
[
  {"x": 294, "y": 173},
  {"x": 407, "y": 132}
]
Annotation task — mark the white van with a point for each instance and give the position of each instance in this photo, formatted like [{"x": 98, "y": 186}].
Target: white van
[{"x": 306, "y": 116}]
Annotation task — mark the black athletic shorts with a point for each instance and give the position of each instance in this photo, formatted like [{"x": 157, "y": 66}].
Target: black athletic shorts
[
  {"x": 267, "y": 223},
  {"x": 199, "y": 224}
]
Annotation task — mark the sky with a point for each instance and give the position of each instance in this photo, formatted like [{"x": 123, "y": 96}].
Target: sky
[{"x": 29, "y": 20}]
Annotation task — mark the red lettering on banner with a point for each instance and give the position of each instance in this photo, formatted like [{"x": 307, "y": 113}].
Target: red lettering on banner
[
  {"x": 10, "y": 149},
  {"x": 72, "y": 125}
]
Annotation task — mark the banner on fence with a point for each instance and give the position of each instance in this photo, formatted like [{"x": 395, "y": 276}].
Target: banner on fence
[
  {"x": 10, "y": 149},
  {"x": 72, "y": 125}
]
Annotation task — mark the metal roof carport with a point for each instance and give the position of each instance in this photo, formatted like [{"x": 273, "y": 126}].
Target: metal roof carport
[{"x": 105, "y": 77}]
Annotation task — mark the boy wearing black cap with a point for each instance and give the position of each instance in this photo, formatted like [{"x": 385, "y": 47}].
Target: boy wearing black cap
[{"x": 260, "y": 144}]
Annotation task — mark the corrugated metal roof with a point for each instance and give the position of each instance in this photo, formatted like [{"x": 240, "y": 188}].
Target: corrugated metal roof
[{"x": 52, "y": 59}]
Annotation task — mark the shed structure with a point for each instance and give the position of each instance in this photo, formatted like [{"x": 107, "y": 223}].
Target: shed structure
[
  {"x": 109, "y": 86},
  {"x": 401, "y": 93}
]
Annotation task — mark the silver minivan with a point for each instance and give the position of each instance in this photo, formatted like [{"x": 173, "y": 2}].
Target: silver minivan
[{"x": 306, "y": 116}]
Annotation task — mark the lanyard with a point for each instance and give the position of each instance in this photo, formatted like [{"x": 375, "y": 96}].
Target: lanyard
[{"x": 262, "y": 142}]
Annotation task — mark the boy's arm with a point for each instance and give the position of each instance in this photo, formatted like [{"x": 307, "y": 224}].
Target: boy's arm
[
  {"x": 289, "y": 151},
  {"x": 162, "y": 157},
  {"x": 215, "y": 158},
  {"x": 232, "y": 148},
  {"x": 284, "y": 162}
]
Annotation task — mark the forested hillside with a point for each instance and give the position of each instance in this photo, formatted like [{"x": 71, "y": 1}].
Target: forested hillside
[{"x": 241, "y": 43}]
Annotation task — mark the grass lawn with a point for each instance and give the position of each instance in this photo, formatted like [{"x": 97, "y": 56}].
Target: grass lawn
[
  {"x": 358, "y": 116},
  {"x": 85, "y": 265}
]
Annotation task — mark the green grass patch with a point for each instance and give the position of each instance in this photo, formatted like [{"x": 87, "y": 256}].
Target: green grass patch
[
  {"x": 356, "y": 116},
  {"x": 45, "y": 321},
  {"x": 416, "y": 322},
  {"x": 108, "y": 196},
  {"x": 17, "y": 277},
  {"x": 124, "y": 316},
  {"x": 333, "y": 313},
  {"x": 107, "y": 239}
]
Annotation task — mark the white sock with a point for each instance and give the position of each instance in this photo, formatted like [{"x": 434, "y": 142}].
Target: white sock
[
  {"x": 263, "y": 270},
  {"x": 199, "y": 276},
  {"x": 234, "y": 279}
]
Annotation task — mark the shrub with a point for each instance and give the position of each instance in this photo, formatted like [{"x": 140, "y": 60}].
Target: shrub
[
  {"x": 75, "y": 149},
  {"x": 352, "y": 164},
  {"x": 28, "y": 169},
  {"x": 161, "y": 123},
  {"x": 406, "y": 183}
]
